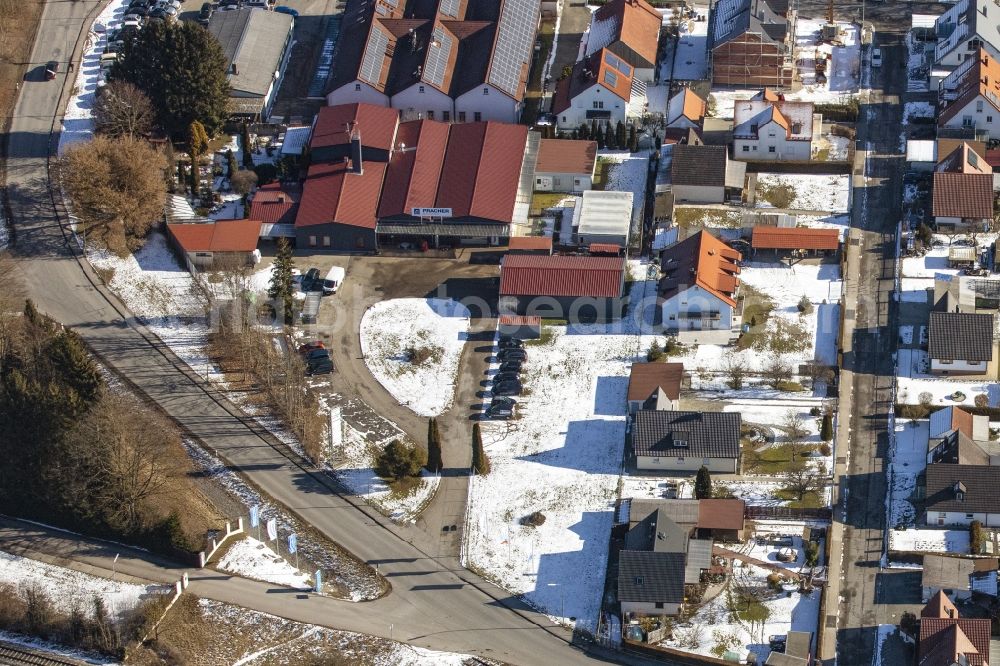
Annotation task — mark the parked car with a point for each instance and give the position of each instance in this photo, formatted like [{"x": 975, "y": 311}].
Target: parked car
[
  {"x": 323, "y": 367},
  {"x": 51, "y": 69},
  {"x": 510, "y": 366},
  {"x": 334, "y": 278},
  {"x": 876, "y": 57},
  {"x": 506, "y": 377},
  {"x": 282, "y": 9},
  {"x": 510, "y": 343},
  {"x": 316, "y": 354},
  {"x": 205, "y": 14},
  {"x": 311, "y": 281},
  {"x": 513, "y": 354},
  {"x": 501, "y": 408},
  {"x": 310, "y": 346},
  {"x": 507, "y": 388}
]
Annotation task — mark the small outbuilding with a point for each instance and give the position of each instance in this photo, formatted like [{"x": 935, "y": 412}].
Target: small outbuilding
[
  {"x": 562, "y": 287},
  {"x": 520, "y": 327},
  {"x": 604, "y": 218},
  {"x": 530, "y": 245},
  {"x": 214, "y": 244},
  {"x": 565, "y": 165},
  {"x": 795, "y": 241}
]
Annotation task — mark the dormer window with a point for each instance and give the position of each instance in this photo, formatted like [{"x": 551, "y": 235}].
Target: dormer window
[
  {"x": 960, "y": 491},
  {"x": 638, "y": 580},
  {"x": 680, "y": 442}
]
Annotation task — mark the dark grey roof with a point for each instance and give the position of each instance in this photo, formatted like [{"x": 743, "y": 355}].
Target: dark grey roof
[
  {"x": 732, "y": 18},
  {"x": 981, "y": 483},
  {"x": 957, "y": 448},
  {"x": 645, "y": 576},
  {"x": 254, "y": 40},
  {"x": 699, "y": 165},
  {"x": 699, "y": 557},
  {"x": 705, "y": 434},
  {"x": 960, "y": 336},
  {"x": 656, "y": 532}
]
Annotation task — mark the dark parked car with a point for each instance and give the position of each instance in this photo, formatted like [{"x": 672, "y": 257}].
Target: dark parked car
[
  {"x": 507, "y": 388},
  {"x": 51, "y": 69},
  {"x": 510, "y": 366},
  {"x": 315, "y": 355},
  {"x": 312, "y": 280},
  {"x": 282, "y": 9},
  {"x": 506, "y": 377},
  {"x": 205, "y": 14},
  {"x": 501, "y": 408},
  {"x": 510, "y": 343},
  {"x": 323, "y": 367},
  {"x": 513, "y": 354}
]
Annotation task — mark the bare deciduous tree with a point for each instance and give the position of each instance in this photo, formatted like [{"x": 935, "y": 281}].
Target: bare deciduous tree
[
  {"x": 122, "y": 110},
  {"x": 795, "y": 429},
  {"x": 800, "y": 479},
  {"x": 242, "y": 182},
  {"x": 116, "y": 188},
  {"x": 777, "y": 371},
  {"x": 736, "y": 370}
]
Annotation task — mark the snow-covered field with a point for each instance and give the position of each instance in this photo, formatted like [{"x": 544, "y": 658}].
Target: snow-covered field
[
  {"x": 353, "y": 457},
  {"x": 438, "y": 325},
  {"x": 251, "y": 558},
  {"x": 908, "y": 461},
  {"x": 820, "y": 193},
  {"x": 562, "y": 456},
  {"x": 68, "y": 589}
]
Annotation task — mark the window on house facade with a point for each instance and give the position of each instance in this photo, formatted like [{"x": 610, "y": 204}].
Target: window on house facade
[
  {"x": 486, "y": 91},
  {"x": 746, "y": 149},
  {"x": 477, "y": 116},
  {"x": 421, "y": 88},
  {"x": 430, "y": 115},
  {"x": 659, "y": 604},
  {"x": 598, "y": 105},
  {"x": 446, "y": 116},
  {"x": 326, "y": 241},
  {"x": 357, "y": 86},
  {"x": 359, "y": 242},
  {"x": 989, "y": 119},
  {"x": 461, "y": 116},
  {"x": 967, "y": 121},
  {"x": 771, "y": 149},
  {"x": 979, "y": 106}
]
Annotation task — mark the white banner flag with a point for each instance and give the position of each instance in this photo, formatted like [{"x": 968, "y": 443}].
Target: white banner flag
[{"x": 272, "y": 529}]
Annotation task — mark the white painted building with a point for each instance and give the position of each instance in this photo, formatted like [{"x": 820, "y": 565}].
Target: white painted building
[
  {"x": 774, "y": 130},
  {"x": 599, "y": 88},
  {"x": 969, "y": 97},
  {"x": 966, "y": 27}
]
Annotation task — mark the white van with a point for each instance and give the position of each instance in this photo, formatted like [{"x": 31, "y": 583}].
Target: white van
[{"x": 334, "y": 278}]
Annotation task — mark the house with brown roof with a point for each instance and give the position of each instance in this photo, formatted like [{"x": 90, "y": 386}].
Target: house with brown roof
[
  {"x": 774, "y": 130},
  {"x": 962, "y": 200},
  {"x": 631, "y": 30},
  {"x": 970, "y": 95},
  {"x": 685, "y": 110},
  {"x": 276, "y": 205},
  {"x": 654, "y": 386},
  {"x": 751, "y": 43},
  {"x": 945, "y": 425},
  {"x": 438, "y": 60},
  {"x": 599, "y": 88},
  {"x": 219, "y": 243},
  {"x": 562, "y": 287},
  {"x": 947, "y": 639},
  {"x": 376, "y": 180},
  {"x": 700, "y": 290},
  {"x": 705, "y": 174},
  {"x": 794, "y": 241},
  {"x": 565, "y": 165}
]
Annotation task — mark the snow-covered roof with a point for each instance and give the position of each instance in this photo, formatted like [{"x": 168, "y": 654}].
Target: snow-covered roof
[
  {"x": 605, "y": 213},
  {"x": 795, "y": 117},
  {"x": 922, "y": 20},
  {"x": 296, "y": 138}
]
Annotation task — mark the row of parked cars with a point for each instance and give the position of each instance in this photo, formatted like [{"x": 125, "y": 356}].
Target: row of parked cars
[
  {"x": 317, "y": 358},
  {"x": 507, "y": 382}
]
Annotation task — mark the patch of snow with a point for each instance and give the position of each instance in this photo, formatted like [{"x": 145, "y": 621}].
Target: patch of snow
[
  {"x": 55, "y": 648},
  {"x": 929, "y": 540},
  {"x": 843, "y": 61},
  {"x": 254, "y": 559},
  {"x": 913, "y": 110},
  {"x": 438, "y": 325},
  {"x": 628, "y": 173},
  {"x": 68, "y": 589},
  {"x": 909, "y": 458},
  {"x": 821, "y": 193}
]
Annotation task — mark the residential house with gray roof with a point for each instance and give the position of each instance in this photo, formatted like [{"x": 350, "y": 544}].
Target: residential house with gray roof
[
  {"x": 685, "y": 441},
  {"x": 960, "y": 343}
]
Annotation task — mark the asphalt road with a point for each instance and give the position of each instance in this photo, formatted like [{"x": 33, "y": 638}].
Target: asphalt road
[
  {"x": 864, "y": 601},
  {"x": 435, "y": 602}
]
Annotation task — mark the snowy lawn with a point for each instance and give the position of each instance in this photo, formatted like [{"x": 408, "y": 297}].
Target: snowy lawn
[
  {"x": 562, "y": 456},
  {"x": 721, "y": 624},
  {"x": 941, "y": 389},
  {"x": 690, "y": 62},
  {"x": 68, "y": 589},
  {"x": 929, "y": 540},
  {"x": 353, "y": 459},
  {"x": 627, "y": 172},
  {"x": 820, "y": 193},
  {"x": 908, "y": 460},
  {"x": 251, "y": 558},
  {"x": 913, "y": 110},
  {"x": 395, "y": 333}
]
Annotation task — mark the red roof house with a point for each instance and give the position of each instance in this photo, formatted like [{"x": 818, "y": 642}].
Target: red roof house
[
  {"x": 946, "y": 638},
  {"x": 275, "y": 203},
  {"x": 795, "y": 238},
  {"x": 560, "y": 286},
  {"x": 205, "y": 244}
]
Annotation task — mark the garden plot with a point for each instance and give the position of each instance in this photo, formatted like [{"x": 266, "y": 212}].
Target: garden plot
[
  {"x": 690, "y": 58},
  {"x": 913, "y": 110},
  {"x": 627, "y": 172},
  {"x": 744, "y": 614},
  {"x": 68, "y": 589},
  {"x": 909, "y": 459},
  {"x": 939, "y": 390},
  {"x": 832, "y": 148},
  {"x": 255, "y": 559},
  {"x": 353, "y": 456},
  {"x": 843, "y": 61},
  {"x": 929, "y": 540},
  {"x": 807, "y": 192},
  {"x": 561, "y": 456},
  {"x": 413, "y": 346}
]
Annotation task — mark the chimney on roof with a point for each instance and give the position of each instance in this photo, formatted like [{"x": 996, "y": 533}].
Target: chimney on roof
[
  {"x": 357, "y": 165},
  {"x": 281, "y": 197}
]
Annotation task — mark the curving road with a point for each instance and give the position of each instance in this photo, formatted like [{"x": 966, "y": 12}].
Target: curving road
[{"x": 435, "y": 602}]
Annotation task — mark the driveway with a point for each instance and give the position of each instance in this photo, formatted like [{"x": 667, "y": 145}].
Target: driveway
[{"x": 573, "y": 22}]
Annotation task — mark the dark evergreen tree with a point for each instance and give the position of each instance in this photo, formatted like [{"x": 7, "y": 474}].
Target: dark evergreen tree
[
  {"x": 71, "y": 360},
  {"x": 584, "y": 132},
  {"x": 182, "y": 69},
  {"x": 594, "y": 126},
  {"x": 826, "y": 429},
  {"x": 281, "y": 286},
  {"x": 434, "y": 460},
  {"x": 703, "y": 484},
  {"x": 633, "y": 139},
  {"x": 231, "y": 164},
  {"x": 620, "y": 135},
  {"x": 601, "y": 137},
  {"x": 247, "y": 153}
]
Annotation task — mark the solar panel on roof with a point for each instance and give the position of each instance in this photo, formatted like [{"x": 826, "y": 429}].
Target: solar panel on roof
[
  {"x": 515, "y": 36},
  {"x": 371, "y": 66},
  {"x": 449, "y": 8},
  {"x": 610, "y": 78},
  {"x": 437, "y": 56},
  {"x": 616, "y": 62}
]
